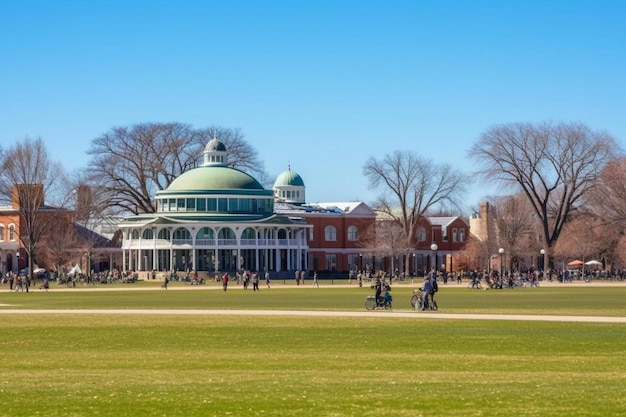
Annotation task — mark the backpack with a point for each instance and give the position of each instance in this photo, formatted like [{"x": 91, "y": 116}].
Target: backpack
[{"x": 435, "y": 286}]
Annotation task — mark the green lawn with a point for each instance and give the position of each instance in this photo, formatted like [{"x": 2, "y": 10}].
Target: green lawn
[{"x": 170, "y": 365}]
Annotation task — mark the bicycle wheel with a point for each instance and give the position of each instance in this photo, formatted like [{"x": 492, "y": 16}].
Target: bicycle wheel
[
  {"x": 414, "y": 300},
  {"x": 370, "y": 303}
]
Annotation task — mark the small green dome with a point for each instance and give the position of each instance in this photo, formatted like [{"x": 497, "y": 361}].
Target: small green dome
[
  {"x": 214, "y": 178},
  {"x": 289, "y": 178}
]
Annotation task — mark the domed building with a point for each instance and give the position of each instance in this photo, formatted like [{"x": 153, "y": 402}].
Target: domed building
[
  {"x": 289, "y": 188},
  {"x": 215, "y": 218}
]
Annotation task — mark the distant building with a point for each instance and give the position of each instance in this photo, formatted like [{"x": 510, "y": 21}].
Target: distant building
[
  {"x": 216, "y": 218},
  {"x": 338, "y": 240},
  {"x": 60, "y": 234}
]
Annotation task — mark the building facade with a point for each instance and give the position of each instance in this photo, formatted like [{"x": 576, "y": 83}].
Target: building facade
[
  {"x": 340, "y": 238},
  {"x": 215, "y": 218}
]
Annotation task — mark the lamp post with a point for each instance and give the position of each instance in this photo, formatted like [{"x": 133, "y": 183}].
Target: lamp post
[
  {"x": 501, "y": 252},
  {"x": 543, "y": 262},
  {"x": 17, "y": 255},
  {"x": 434, "y": 248}
]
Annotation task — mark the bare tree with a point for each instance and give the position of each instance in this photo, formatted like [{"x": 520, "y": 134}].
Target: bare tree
[
  {"x": 582, "y": 237},
  {"x": 59, "y": 246},
  {"x": 515, "y": 223},
  {"x": 130, "y": 164},
  {"x": 411, "y": 186},
  {"x": 385, "y": 238},
  {"x": 553, "y": 165},
  {"x": 241, "y": 154},
  {"x": 28, "y": 177},
  {"x": 607, "y": 198}
]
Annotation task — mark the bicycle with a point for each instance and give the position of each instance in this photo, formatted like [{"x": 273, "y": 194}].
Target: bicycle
[
  {"x": 417, "y": 300},
  {"x": 474, "y": 285}
]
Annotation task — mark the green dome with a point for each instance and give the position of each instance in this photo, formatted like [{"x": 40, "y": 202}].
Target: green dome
[
  {"x": 289, "y": 178},
  {"x": 214, "y": 178}
]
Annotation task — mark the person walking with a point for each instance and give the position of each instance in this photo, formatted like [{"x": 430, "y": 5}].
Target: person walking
[
  {"x": 246, "y": 280},
  {"x": 315, "y": 282},
  {"x": 267, "y": 279},
  {"x": 225, "y": 281},
  {"x": 255, "y": 281},
  {"x": 427, "y": 289}
]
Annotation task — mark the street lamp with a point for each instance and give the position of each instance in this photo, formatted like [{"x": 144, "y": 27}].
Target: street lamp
[
  {"x": 434, "y": 248},
  {"x": 543, "y": 262},
  {"x": 501, "y": 252},
  {"x": 17, "y": 255}
]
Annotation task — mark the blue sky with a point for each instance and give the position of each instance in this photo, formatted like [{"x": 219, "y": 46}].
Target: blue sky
[{"x": 320, "y": 85}]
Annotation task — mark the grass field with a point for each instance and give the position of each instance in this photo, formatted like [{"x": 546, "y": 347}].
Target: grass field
[{"x": 239, "y": 365}]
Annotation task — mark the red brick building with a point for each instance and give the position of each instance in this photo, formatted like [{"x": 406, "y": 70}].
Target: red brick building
[{"x": 338, "y": 240}]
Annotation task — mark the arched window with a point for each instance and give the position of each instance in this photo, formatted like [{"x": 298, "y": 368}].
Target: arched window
[
  {"x": 147, "y": 234},
  {"x": 353, "y": 233},
  {"x": 330, "y": 233},
  {"x": 182, "y": 233},
  {"x": 421, "y": 234},
  {"x": 1, "y": 233},
  {"x": 134, "y": 234},
  {"x": 226, "y": 233},
  {"x": 205, "y": 233},
  {"x": 12, "y": 233},
  {"x": 164, "y": 234}
]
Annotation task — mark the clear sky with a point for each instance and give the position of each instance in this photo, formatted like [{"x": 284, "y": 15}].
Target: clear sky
[{"x": 320, "y": 85}]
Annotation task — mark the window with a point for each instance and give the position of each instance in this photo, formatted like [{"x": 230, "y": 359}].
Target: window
[
  {"x": 181, "y": 233},
  {"x": 181, "y": 204},
  {"x": 353, "y": 262},
  {"x": 233, "y": 205},
  {"x": 421, "y": 234},
  {"x": 164, "y": 234},
  {"x": 201, "y": 204},
  {"x": 244, "y": 205},
  {"x": 172, "y": 204},
  {"x": 222, "y": 204},
  {"x": 331, "y": 261},
  {"x": 191, "y": 204},
  {"x": 147, "y": 234},
  {"x": 12, "y": 232},
  {"x": 454, "y": 234},
  {"x": 1, "y": 233},
  {"x": 311, "y": 236},
  {"x": 330, "y": 234},
  {"x": 353, "y": 233},
  {"x": 211, "y": 204},
  {"x": 461, "y": 235}
]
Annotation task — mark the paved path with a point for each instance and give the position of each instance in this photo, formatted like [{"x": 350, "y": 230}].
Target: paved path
[
  {"x": 314, "y": 313},
  {"x": 317, "y": 313}
]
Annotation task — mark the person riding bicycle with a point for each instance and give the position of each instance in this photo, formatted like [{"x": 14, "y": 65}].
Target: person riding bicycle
[{"x": 381, "y": 286}]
